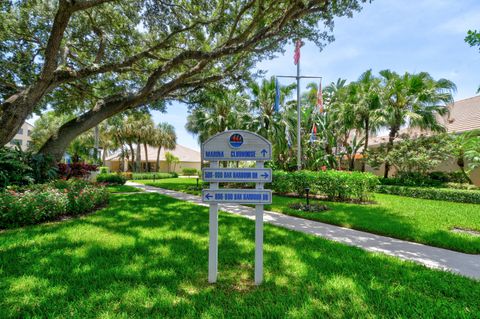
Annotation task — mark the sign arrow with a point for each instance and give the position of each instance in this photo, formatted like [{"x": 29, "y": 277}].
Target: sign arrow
[
  {"x": 208, "y": 196},
  {"x": 264, "y": 152},
  {"x": 264, "y": 175}
]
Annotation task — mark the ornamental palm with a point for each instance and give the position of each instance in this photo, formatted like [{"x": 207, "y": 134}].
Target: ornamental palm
[
  {"x": 164, "y": 136},
  {"x": 218, "y": 111},
  {"x": 414, "y": 100}
]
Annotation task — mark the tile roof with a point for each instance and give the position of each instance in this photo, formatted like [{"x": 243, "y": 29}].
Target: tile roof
[
  {"x": 464, "y": 115},
  {"x": 185, "y": 154}
]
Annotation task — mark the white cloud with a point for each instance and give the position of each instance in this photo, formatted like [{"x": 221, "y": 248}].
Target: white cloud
[{"x": 461, "y": 23}]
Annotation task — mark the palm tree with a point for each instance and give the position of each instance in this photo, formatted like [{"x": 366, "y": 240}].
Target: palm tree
[
  {"x": 164, "y": 136},
  {"x": 414, "y": 100},
  {"x": 366, "y": 92},
  {"x": 218, "y": 111}
]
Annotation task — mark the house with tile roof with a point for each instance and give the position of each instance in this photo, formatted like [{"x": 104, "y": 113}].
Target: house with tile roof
[
  {"x": 188, "y": 158},
  {"x": 463, "y": 116}
]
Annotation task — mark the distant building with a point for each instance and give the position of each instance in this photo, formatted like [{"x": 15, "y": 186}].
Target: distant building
[
  {"x": 22, "y": 138},
  {"x": 463, "y": 116},
  {"x": 188, "y": 158}
]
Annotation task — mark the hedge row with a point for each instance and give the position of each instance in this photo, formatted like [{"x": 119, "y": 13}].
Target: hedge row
[
  {"x": 111, "y": 179},
  {"x": 447, "y": 194},
  {"x": 44, "y": 202},
  {"x": 336, "y": 185},
  {"x": 153, "y": 175}
]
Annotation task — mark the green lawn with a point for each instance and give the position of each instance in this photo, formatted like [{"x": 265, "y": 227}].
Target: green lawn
[
  {"x": 419, "y": 220},
  {"x": 146, "y": 256},
  {"x": 122, "y": 189},
  {"x": 186, "y": 185}
]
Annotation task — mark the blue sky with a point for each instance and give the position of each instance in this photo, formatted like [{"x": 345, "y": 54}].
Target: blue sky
[{"x": 402, "y": 35}]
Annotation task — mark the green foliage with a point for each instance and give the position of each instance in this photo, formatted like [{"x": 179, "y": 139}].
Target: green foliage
[
  {"x": 451, "y": 195},
  {"x": 432, "y": 179},
  {"x": 423, "y": 221},
  {"x": 111, "y": 179},
  {"x": 172, "y": 161},
  {"x": 21, "y": 168},
  {"x": 153, "y": 175},
  {"x": 102, "y": 266},
  {"x": 104, "y": 170},
  {"x": 44, "y": 202},
  {"x": 473, "y": 38},
  {"x": 189, "y": 171},
  {"x": 336, "y": 185},
  {"x": 413, "y": 155}
]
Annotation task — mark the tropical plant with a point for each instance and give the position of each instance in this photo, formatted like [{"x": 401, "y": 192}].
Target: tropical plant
[
  {"x": 171, "y": 160},
  {"x": 164, "y": 136},
  {"x": 413, "y": 100}
]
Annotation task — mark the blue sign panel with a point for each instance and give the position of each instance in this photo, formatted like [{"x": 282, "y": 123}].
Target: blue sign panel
[
  {"x": 237, "y": 175},
  {"x": 240, "y": 196}
]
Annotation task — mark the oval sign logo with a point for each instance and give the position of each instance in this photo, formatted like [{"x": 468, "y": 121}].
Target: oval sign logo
[{"x": 236, "y": 140}]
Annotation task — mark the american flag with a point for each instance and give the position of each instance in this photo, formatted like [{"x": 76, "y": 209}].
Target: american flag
[
  {"x": 296, "y": 55},
  {"x": 320, "y": 98}
]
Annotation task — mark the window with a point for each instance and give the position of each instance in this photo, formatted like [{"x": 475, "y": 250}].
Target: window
[
  {"x": 17, "y": 142},
  {"x": 29, "y": 132},
  {"x": 20, "y": 131}
]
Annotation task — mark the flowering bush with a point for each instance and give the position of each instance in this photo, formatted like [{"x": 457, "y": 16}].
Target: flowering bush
[{"x": 43, "y": 202}]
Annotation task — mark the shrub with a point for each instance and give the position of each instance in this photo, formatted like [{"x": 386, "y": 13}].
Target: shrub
[
  {"x": 336, "y": 185},
  {"x": 77, "y": 170},
  {"x": 128, "y": 175},
  {"x": 190, "y": 171},
  {"x": 281, "y": 182},
  {"x": 43, "y": 202},
  {"x": 31, "y": 207},
  {"x": 152, "y": 175},
  {"x": 452, "y": 195},
  {"x": 22, "y": 168},
  {"x": 112, "y": 179},
  {"x": 103, "y": 170},
  {"x": 340, "y": 185}
]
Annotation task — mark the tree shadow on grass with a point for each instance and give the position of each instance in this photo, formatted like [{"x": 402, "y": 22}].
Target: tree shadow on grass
[
  {"x": 382, "y": 220},
  {"x": 146, "y": 256}
]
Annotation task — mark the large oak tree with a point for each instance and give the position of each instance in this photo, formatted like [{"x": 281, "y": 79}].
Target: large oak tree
[{"x": 97, "y": 58}]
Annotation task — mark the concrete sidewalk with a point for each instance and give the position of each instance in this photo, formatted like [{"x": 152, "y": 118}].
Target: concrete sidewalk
[{"x": 433, "y": 257}]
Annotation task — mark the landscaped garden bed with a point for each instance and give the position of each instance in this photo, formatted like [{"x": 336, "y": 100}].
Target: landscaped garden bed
[
  {"x": 20, "y": 206},
  {"x": 146, "y": 255}
]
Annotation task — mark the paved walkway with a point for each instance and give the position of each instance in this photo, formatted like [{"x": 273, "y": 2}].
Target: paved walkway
[{"x": 433, "y": 257}]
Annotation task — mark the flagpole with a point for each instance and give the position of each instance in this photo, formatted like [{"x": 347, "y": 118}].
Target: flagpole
[{"x": 299, "y": 141}]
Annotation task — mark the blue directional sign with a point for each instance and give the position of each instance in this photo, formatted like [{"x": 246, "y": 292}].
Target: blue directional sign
[
  {"x": 236, "y": 145},
  {"x": 240, "y": 196},
  {"x": 237, "y": 175}
]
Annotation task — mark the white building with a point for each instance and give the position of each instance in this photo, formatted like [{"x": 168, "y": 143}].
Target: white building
[{"x": 22, "y": 137}]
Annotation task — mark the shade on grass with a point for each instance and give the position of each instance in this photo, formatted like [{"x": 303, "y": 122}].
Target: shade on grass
[
  {"x": 186, "y": 185},
  {"x": 122, "y": 189},
  {"x": 424, "y": 221},
  {"x": 420, "y": 220},
  {"x": 146, "y": 256}
]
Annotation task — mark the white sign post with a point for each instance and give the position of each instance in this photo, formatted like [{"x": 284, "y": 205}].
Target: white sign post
[{"x": 236, "y": 145}]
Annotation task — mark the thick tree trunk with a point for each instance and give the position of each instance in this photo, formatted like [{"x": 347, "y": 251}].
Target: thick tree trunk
[
  {"x": 365, "y": 145},
  {"x": 15, "y": 109},
  {"x": 158, "y": 159},
  {"x": 56, "y": 145}
]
